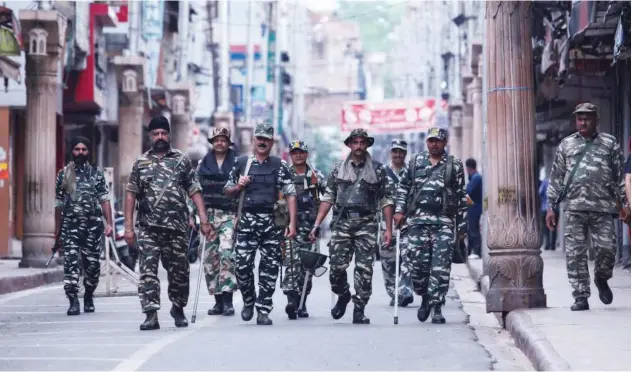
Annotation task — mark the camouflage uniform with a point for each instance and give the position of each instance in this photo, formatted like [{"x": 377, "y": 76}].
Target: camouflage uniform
[
  {"x": 163, "y": 227},
  {"x": 430, "y": 227},
  {"x": 354, "y": 225},
  {"x": 218, "y": 257},
  {"x": 387, "y": 254},
  {"x": 82, "y": 226},
  {"x": 256, "y": 228},
  {"x": 306, "y": 185},
  {"x": 590, "y": 204}
]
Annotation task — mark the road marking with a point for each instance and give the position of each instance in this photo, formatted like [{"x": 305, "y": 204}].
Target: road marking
[
  {"x": 64, "y": 358},
  {"x": 83, "y": 331},
  {"x": 9, "y": 346},
  {"x": 26, "y": 293},
  {"x": 75, "y": 322},
  {"x": 98, "y": 303}
]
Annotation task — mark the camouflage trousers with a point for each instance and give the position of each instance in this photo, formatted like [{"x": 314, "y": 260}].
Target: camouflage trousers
[
  {"x": 257, "y": 231},
  {"x": 353, "y": 236},
  {"x": 388, "y": 259},
  {"x": 81, "y": 239},
  {"x": 431, "y": 249},
  {"x": 579, "y": 226},
  {"x": 294, "y": 277},
  {"x": 157, "y": 245},
  {"x": 219, "y": 257}
]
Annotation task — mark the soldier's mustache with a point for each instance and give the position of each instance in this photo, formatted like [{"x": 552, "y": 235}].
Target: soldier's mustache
[{"x": 262, "y": 145}]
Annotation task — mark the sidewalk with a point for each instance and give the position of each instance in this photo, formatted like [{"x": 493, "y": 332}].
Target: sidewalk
[
  {"x": 556, "y": 338},
  {"x": 13, "y": 279}
]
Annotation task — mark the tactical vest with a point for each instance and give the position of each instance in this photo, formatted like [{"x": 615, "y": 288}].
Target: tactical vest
[
  {"x": 261, "y": 193},
  {"x": 213, "y": 192},
  {"x": 359, "y": 196},
  {"x": 434, "y": 196},
  {"x": 84, "y": 202},
  {"x": 305, "y": 201}
]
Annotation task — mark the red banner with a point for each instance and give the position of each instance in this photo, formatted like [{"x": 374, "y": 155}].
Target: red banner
[{"x": 391, "y": 116}]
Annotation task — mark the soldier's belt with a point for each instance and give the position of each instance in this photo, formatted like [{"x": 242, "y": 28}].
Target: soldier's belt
[
  {"x": 259, "y": 210},
  {"x": 356, "y": 214}
]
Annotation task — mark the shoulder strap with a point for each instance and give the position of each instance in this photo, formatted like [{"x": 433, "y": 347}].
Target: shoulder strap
[
  {"x": 569, "y": 179},
  {"x": 447, "y": 179},
  {"x": 164, "y": 187}
]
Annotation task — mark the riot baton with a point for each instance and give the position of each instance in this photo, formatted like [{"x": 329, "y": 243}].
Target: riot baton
[
  {"x": 395, "y": 317},
  {"x": 199, "y": 280}
]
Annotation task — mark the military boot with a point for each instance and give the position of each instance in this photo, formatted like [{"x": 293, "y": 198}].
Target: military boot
[
  {"x": 302, "y": 312},
  {"x": 229, "y": 310},
  {"x": 339, "y": 309},
  {"x": 263, "y": 319},
  {"x": 358, "y": 315},
  {"x": 218, "y": 309},
  {"x": 437, "y": 318},
  {"x": 424, "y": 311},
  {"x": 605, "y": 293},
  {"x": 247, "y": 313},
  {"x": 151, "y": 322},
  {"x": 88, "y": 302},
  {"x": 178, "y": 315},
  {"x": 292, "y": 305},
  {"x": 74, "y": 308},
  {"x": 405, "y": 301},
  {"x": 581, "y": 303}
]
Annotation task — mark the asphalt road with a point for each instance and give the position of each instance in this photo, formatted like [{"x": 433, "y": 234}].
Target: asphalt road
[{"x": 36, "y": 334}]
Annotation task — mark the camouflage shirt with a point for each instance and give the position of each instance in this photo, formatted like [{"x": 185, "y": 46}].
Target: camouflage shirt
[
  {"x": 599, "y": 181},
  {"x": 149, "y": 175},
  {"x": 284, "y": 177},
  {"x": 385, "y": 197},
  {"x": 319, "y": 186},
  {"x": 432, "y": 187},
  {"x": 392, "y": 184},
  {"x": 91, "y": 191}
]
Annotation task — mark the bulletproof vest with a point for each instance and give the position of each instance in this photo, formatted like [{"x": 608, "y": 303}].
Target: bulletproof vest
[
  {"x": 261, "y": 193},
  {"x": 305, "y": 201},
  {"x": 213, "y": 191},
  {"x": 84, "y": 202},
  {"x": 436, "y": 195},
  {"x": 358, "y": 196}
]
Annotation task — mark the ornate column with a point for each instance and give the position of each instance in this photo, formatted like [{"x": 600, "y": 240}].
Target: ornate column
[
  {"x": 515, "y": 265},
  {"x": 466, "y": 131},
  {"x": 455, "y": 140},
  {"x": 179, "y": 96},
  {"x": 477, "y": 118},
  {"x": 130, "y": 72},
  {"x": 44, "y": 35}
]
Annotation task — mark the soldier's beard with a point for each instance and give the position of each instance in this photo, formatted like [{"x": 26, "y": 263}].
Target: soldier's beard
[
  {"x": 80, "y": 159},
  {"x": 161, "y": 145}
]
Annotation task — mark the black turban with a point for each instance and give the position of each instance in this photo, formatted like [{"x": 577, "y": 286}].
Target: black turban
[
  {"x": 159, "y": 122},
  {"x": 77, "y": 140}
]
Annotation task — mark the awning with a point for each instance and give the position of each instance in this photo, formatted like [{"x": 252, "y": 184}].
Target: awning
[
  {"x": 10, "y": 69},
  {"x": 9, "y": 33}
]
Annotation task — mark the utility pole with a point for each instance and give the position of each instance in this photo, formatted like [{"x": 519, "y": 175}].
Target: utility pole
[
  {"x": 250, "y": 61},
  {"x": 211, "y": 7},
  {"x": 296, "y": 134},
  {"x": 224, "y": 57},
  {"x": 277, "y": 114}
]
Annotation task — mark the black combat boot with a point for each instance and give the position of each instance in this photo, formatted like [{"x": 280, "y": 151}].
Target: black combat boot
[
  {"x": 263, "y": 319},
  {"x": 74, "y": 308},
  {"x": 424, "y": 311},
  {"x": 292, "y": 305},
  {"x": 392, "y": 303},
  {"x": 437, "y": 318},
  {"x": 88, "y": 302},
  {"x": 405, "y": 301},
  {"x": 581, "y": 303},
  {"x": 178, "y": 315},
  {"x": 302, "y": 312},
  {"x": 247, "y": 313},
  {"x": 339, "y": 309},
  {"x": 358, "y": 315},
  {"x": 218, "y": 309},
  {"x": 151, "y": 322},
  {"x": 605, "y": 293},
  {"x": 229, "y": 310}
]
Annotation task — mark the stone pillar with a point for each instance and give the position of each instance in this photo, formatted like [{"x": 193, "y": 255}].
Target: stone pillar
[
  {"x": 466, "y": 131},
  {"x": 130, "y": 71},
  {"x": 515, "y": 265},
  {"x": 455, "y": 140},
  {"x": 44, "y": 34},
  {"x": 477, "y": 118},
  {"x": 179, "y": 102}
]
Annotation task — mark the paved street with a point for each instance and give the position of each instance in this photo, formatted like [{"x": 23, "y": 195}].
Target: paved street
[{"x": 36, "y": 334}]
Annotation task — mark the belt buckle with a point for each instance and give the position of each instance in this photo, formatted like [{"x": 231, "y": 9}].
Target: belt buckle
[{"x": 354, "y": 214}]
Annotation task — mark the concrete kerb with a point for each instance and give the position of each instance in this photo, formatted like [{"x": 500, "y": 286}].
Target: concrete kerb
[
  {"x": 11, "y": 284},
  {"x": 526, "y": 335}
]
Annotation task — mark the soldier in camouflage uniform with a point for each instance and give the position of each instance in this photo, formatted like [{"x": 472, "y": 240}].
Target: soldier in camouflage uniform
[
  {"x": 309, "y": 183},
  {"x": 588, "y": 175},
  {"x": 81, "y": 200},
  {"x": 219, "y": 257},
  {"x": 395, "y": 169},
  {"x": 262, "y": 178},
  {"x": 161, "y": 179},
  {"x": 431, "y": 198},
  {"x": 357, "y": 188}
]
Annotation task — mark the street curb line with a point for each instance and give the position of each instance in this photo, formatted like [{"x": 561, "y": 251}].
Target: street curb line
[
  {"x": 528, "y": 338},
  {"x": 12, "y": 284}
]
